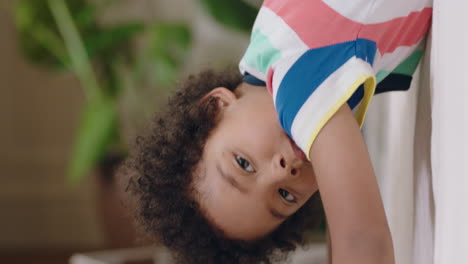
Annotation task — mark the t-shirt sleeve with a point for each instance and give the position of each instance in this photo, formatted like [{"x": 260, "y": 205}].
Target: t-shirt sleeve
[{"x": 314, "y": 58}]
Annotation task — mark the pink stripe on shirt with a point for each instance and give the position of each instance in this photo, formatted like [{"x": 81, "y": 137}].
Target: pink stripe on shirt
[
  {"x": 402, "y": 31},
  {"x": 328, "y": 27}
]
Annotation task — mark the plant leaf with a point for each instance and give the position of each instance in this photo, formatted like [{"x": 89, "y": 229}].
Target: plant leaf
[
  {"x": 235, "y": 14},
  {"x": 39, "y": 37},
  {"x": 168, "y": 50},
  {"x": 86, "y": 17},
  {"x": 79, "y": 60},
  {"x": 98, "y": 126},
  {"x": 110, "y": 40}
]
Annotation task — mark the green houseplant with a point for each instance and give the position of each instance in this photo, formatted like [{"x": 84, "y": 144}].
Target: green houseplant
[
  {"x": 68, "y": 36},
  {"x": 116, "y": 65}
]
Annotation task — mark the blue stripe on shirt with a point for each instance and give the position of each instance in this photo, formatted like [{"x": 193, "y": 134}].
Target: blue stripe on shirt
[{"x": 310, "y": 70}]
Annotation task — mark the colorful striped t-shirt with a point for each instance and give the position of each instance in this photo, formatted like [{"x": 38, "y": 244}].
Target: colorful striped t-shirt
[{"x": 315, "y": 55}]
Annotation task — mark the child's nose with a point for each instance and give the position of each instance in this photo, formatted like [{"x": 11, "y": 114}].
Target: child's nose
[{"x": 283, "y": 167}]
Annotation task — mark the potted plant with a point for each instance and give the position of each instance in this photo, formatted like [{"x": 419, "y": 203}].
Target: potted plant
[{"x": 114, "y": 72}]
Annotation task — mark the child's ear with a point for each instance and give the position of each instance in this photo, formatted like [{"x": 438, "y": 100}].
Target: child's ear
[{"x": 223, "y": 96}]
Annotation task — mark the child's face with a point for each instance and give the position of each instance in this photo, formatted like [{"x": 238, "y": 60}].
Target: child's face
[{"x": 252, "y": 175}]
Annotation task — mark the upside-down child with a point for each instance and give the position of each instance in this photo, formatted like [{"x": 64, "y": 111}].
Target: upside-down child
[{"x": 230, "y": 171}]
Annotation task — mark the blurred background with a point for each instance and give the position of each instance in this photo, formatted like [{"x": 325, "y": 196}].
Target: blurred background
[{"x": 79, "y": 79}]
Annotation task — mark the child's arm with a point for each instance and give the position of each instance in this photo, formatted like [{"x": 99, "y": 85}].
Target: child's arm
[{"x": 358, "y": 227}]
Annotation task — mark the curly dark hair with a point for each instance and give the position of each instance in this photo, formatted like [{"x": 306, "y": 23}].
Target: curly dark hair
[{"x": 160, "y": 173}]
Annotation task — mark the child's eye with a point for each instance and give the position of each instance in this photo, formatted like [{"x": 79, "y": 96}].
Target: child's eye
[
  {"x": 244, "y": 164},
  {"x": 287, "y": 196}
]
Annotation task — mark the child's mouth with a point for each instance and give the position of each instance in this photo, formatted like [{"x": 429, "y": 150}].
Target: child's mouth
[{"x": 299, "y": 153}]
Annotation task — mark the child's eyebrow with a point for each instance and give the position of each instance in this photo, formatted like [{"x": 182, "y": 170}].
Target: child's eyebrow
[
  {"x": 231, "y": 180},
  {"x": 277, "y": 214}
]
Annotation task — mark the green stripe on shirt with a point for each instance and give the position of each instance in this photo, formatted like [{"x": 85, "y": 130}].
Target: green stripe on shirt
[
  {"x": 261, "y": 53},
  {"x": 407, "y": 67}
]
